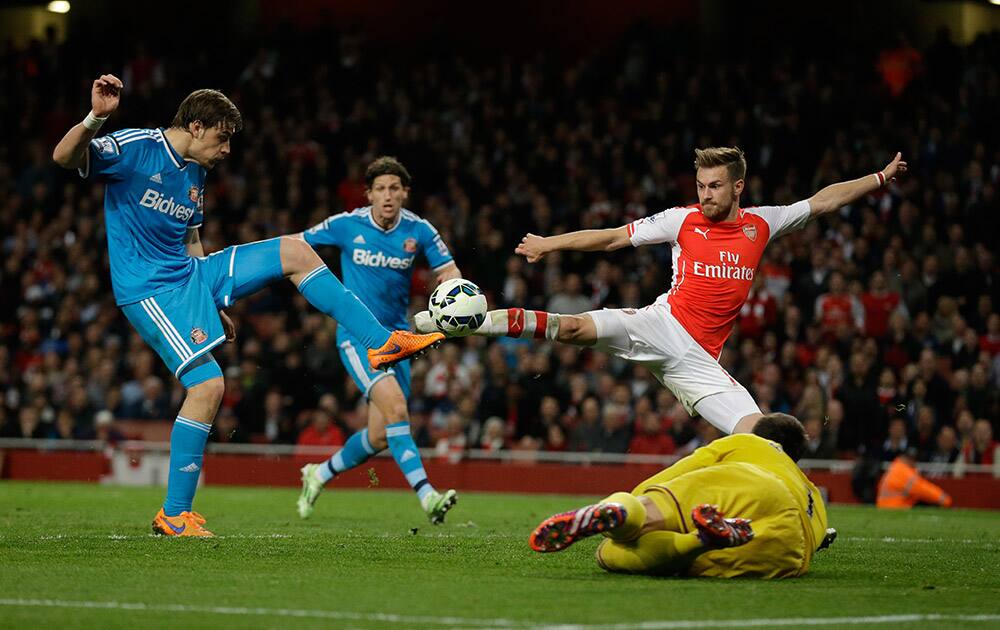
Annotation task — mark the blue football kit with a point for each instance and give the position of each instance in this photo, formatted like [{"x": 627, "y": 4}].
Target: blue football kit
[
  {"x": 152, "y": 198},
  {"x": 377, "y": 264}
]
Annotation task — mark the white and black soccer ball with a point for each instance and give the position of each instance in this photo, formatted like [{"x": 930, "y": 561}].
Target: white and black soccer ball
[{"x": 457, "y": 307}]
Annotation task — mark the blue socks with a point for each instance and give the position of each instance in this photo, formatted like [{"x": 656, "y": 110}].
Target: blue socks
[
  {"x": 404, "y": 451},
  {"x": 187, "y": 451},
  {"x": 355, "y": 452},
  {"x": 358, "y": 449},
  {"x": 324, "y": 291}
]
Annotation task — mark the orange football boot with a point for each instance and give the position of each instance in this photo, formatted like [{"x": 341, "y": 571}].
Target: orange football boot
[
  {"x": 184, "y": 524},
  {"x": 402, "y": 344}
]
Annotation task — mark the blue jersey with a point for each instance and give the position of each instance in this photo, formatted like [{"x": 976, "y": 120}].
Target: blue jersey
[
  {"x": 151, "y": 198},
  {"x": 377, "y": 264}
]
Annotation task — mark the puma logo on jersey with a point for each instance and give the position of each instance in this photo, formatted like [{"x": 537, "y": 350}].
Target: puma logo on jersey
[{"x": 702, "y": 232}]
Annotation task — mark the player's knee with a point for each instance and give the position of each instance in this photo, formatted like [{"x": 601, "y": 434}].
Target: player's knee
[
  {"x": 209, "y": 393},
  {"x": 297, "y": 255},
  {"x": 376, "y": 436},
  {"x": 396, "y": 410}
]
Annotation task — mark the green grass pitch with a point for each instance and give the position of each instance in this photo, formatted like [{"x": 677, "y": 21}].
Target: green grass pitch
[{"x": 81, "y": 556}]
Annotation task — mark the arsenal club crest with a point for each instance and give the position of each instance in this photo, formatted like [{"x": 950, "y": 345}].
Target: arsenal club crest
[
  {"x": 750, "y": 231},
  {"x": 193, "y": 194},
  {"x": 410, "y": 245},
  {"x": 198, "y": 336}
]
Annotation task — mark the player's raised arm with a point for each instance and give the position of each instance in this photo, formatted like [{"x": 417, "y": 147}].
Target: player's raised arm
[
  {"x": 534, "y": 247},
  {"x": 836, "y": 195},
  {"x": 71, "y": 152}
]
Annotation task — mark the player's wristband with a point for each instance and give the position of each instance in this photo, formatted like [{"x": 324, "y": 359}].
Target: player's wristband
[
  {"x": 93, "y": 122},
  {"x": 880, "y": 178}
]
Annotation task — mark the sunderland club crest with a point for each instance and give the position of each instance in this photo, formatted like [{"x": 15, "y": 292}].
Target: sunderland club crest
[
  {"x": 198, "y": 336},
  {"x": 410, "y": 245},
  {"x": 193, "y": 194},
  {"x": 750, "y": 231}
]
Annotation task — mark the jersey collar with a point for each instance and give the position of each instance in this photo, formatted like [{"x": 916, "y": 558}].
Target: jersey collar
[
  {"x": 371, "y": 219},
  {"x": 175, "y": 157}
]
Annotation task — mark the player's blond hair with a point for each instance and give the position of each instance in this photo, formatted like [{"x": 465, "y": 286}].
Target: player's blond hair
[{"x": 730, "y": 157}]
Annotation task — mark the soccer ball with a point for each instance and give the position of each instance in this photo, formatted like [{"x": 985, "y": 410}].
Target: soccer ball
[{"x": 458, "y": 307}]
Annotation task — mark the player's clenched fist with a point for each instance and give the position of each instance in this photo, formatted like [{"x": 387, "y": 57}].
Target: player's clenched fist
[
  {"x": 532, "y": 247},
  {"x": 105, "y": 95}
]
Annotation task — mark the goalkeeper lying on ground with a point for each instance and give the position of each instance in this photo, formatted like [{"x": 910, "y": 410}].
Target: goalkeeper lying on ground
[{"x": 673, "y": 523}]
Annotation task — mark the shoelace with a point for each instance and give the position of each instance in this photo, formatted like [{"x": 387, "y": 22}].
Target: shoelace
[{"x": 193, "y": 518}]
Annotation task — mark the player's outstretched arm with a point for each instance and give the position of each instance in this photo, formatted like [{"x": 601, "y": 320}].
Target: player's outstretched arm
[
  {"x": 534, "y": 247},
  {"x": 71, "y": 152},
  {"x": 836, "y": 195}
]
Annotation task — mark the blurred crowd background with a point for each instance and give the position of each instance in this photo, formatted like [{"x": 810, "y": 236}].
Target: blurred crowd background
[{"x": 877, "y": 327}]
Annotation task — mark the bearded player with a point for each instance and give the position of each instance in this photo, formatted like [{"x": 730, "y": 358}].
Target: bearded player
[
  {"x": 674, "y": 522},
  {"x": 170, "y": 291},
  {"x": 378, "y": 246},
  {"x": 716, "y": 248}
]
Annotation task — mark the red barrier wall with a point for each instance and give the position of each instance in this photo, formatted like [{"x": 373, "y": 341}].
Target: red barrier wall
[{"x": 254, "y": 470}]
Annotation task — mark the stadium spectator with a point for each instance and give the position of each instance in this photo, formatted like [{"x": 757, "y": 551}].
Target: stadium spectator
[
  {"x": 492, "y": 438},
  {"x": 837, "y": 311},
  {"x": 945, "y": 447},
  {"x": 819, "y": 443},
  {"x": 649, "y": 438},
  {"x": 879, "y": 304},
  {"x": 982, "y": 448},
  {"x": 896, "y": 443},
  {"x": 587, "y": 435},
  {"x": 321, "y": 431},
  {"x": 569, "y": 298},
  {"x": 923, "y": 437}
]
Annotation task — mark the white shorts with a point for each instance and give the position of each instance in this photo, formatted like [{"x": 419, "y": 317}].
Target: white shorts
[{"x": 652, "y": 337}]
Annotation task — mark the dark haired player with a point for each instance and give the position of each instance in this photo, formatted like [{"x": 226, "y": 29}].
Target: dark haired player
[
  {"x": 674, "y": 523},
  {"x": 378, "y": 247}
]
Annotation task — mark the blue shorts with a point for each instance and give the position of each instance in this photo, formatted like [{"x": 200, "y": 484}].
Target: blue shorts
[
  {"x": 354, "y": 356},
  {"x": 182, "y": 325}
]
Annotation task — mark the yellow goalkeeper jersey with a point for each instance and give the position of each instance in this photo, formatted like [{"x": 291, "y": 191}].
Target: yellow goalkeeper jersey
[{"x": 751, "y": 449}]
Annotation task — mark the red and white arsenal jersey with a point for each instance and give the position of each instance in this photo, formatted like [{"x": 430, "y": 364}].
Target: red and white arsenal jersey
[{"x": 714, "y": 263}]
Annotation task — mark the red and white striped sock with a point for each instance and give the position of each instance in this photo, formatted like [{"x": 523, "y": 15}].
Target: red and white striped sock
[{"x": 520, "y": 323}]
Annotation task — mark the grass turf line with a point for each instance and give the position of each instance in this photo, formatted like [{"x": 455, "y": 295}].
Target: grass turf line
[{"x": 359, "y": 558}]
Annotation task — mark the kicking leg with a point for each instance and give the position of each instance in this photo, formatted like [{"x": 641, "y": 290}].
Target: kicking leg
[
  {"x": 256, "y": 265},
  {"x": 527, "y": 324},
  {"x": 317, "y": 284}
]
